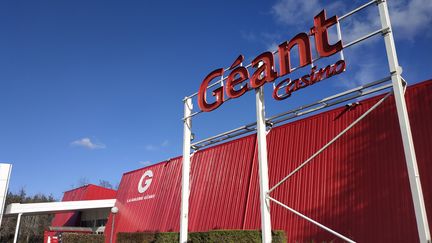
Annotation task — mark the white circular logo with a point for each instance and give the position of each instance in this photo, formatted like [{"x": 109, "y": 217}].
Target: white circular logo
[{"x": 147, "y": 179}]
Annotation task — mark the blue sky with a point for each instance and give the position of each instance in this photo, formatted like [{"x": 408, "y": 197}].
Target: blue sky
[{"x": 93, "y": 89}]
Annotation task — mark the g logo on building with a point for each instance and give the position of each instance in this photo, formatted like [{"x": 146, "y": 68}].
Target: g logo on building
[{"x": 147, "y": 178}]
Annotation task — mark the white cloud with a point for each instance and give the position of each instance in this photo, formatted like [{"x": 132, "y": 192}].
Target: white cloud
[
  {"x": 357, "y": 27},
  {"x": 145, "y": 163},
  {"x": 300, "y": 13},
  {"x": 365, "y": 73},
  {"x": 297, "y": 13},
  {"x": 410, "y": 18},
  {"x": 87, "y": 143},
  {"x": 272, "y": 46},
  {"x": 294, "y": 12},
  {"x": 152, "y": 147},
  {"x": 268, "y": 39},
  {"x": 249, "y": 36}
]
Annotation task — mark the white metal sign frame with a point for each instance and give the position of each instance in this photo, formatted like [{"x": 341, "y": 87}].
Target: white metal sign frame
[{"x": 397, "y": 88}]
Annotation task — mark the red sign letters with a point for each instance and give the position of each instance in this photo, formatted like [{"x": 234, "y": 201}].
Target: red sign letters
[{"x": 265, "y": 67}]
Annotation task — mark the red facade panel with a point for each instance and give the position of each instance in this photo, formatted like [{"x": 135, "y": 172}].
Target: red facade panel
[
  {"x": 87, "y": 192},
  {"x": 220, "y": 179},
  {"x": 420, "y": 108},
  {"x": 226, "y": 166},
  {"x": 154, "y": 209},
  {"x": 358, "y": 186}
]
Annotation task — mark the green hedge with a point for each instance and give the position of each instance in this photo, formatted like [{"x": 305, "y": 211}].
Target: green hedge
[
  {"x": 82, "y": 238},
  {"x": 216, "y": 236}
]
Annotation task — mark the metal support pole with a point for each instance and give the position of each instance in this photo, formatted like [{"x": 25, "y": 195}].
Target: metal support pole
[
  {"x": 263, "y": 167},
  {"x": 410, "y": 156},
  {"x": 17, "y": 228},
  {"x": 339, "y": 35},
  {"x": 112, "y": 229},
  {"x": 187, "y": 134},
  {"x": 114, "y": 211}
]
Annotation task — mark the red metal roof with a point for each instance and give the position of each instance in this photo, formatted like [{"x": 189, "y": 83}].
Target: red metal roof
[
  {"x": 87, "y": 192},
  {"x": 358, "y": 186}
]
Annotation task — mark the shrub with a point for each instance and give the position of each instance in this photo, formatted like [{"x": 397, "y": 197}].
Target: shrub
[
  {"x": 82, "y": 238},
  {"x": 215, "y": 236}
]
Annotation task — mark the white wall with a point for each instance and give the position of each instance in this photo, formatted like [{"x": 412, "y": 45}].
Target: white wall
[{"x": 5, "y": 171}]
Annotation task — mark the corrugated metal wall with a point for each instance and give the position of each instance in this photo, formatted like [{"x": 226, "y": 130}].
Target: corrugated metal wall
[
  {"x": 87, "y": 192},
  {"x": 220, "y": 179},
  {"x": 154, "y": 214},
  {"x": 358, "y": 186}
]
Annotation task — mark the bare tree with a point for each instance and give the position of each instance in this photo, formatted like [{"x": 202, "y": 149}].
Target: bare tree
[
  {"x": 32, "y": 227},
  {"x": 83, "y": 181},
  {"x": 106, "y": 184}
]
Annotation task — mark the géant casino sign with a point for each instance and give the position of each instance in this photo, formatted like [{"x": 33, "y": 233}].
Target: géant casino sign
[{"x": 265, "y": 72}]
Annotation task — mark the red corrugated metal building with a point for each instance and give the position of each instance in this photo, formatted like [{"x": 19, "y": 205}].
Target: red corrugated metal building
[
  {"x": 358, "y": 186},
  {"x": 87, "y": 192},
  {"x": 71, "y": 221}
]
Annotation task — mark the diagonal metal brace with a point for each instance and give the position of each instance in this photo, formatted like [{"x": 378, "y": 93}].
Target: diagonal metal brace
[
  {"x": 311, "y": 220},
  {"x": 330, "y": 142},
  {"x": 310, "y": 159}
]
